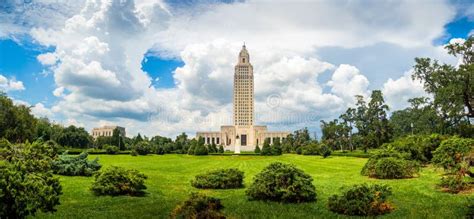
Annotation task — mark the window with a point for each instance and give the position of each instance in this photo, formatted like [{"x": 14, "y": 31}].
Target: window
[{"x": 217, "y": 140}]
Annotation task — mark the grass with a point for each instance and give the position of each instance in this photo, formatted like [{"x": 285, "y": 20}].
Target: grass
[{"x": 169, "y": 184}]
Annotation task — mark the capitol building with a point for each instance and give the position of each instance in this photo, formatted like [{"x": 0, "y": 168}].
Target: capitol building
[{"x": 244, "y": 135}]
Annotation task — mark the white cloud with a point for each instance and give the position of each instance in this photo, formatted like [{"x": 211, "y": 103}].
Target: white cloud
[
  {"x": 397, "y": 92},
  {"x": 40, "y": 110},
  {"x": 47, "y": 58},
  {"x": 10, "y": 84},
  {"x": 347, "y": 81}
]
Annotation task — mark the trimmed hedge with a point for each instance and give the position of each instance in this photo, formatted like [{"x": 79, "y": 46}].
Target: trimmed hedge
[
  {"x": 219, "y": 179},
  {"x": 283, "y": 183},
  {"x": 119, "y": 181},
  {"x": 362, "y": 200},
  {"x": 200, "y": 207}
]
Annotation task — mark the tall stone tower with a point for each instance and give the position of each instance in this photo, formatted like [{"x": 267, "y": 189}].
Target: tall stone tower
[
  {"x": 243, "y": 101},
  {"x": 243, "y": 90}
]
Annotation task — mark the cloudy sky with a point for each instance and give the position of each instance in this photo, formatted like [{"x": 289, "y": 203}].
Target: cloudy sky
[{"x": 164, "y": 67}]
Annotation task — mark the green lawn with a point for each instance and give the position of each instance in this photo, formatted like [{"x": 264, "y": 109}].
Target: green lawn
[{"x": 169, "y": 184}]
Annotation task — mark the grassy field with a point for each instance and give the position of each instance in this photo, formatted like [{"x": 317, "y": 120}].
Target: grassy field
[{"x": 169, "y": 184}]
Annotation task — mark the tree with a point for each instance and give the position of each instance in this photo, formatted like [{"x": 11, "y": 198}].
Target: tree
[
  {"x": 348, "y": 120},
  {"x": 117, "y": 139},
  {"x": 257, "y": 150},
  {"x": 266, "y": 149},
  {"x": 75, "y": 137},
  {"x": 182, "y": 143},
  {"x": 192, "y": 146},
  {"x": 379, "y": 130},
  {"x": 419, "y": 118},
  {"x": 452, "y": 87},
  {"x": 16, "y": 122},
  {"x": 276, "y": 147},
  {"x": 287, "y": 144},
  {"x": 27, "y": 184}
]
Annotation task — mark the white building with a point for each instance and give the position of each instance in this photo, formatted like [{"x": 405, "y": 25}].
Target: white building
[
  {"x": 107, "y": 131},
  {"x": 243, "y": 135}
]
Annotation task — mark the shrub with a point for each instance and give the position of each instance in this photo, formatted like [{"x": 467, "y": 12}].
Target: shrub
[
  {"x": 142, "y": 148},
  {"x": 283, "y": 183},
  {"x": 362, "y": 200},
  {"x": 417, "y": 147},
  {"x": 257, "y": 150},
  {"x": 453, "y": 183},
  {"x": 110, "y": 149},
  {"x": 452, "y": 153},
  {"x": 199, "y": 206},
  {"x": 119, "y": 181},
  {"x": 27, "y": 184},
  {"x": 75, "y": 165},
  {"x": 310, "y": 149},
  {"x": 388, "y": 164},
  {"x": 200, "y": 150},
  {"x": 221, "y": 149},
  {"x": 219, "y": 179},
  {"x": 134, "y": 153},
  {"x": 266, "y": 149},
  {"x": 325, "y": 151},
  {"x": 394, "y": 168}
]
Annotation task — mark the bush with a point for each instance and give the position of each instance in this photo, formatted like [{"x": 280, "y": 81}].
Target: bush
[
  {"x": 75, "y": 165},
  {"x": 27, "y": 184},
  {"x": 134, "y": 153},
  {"x": 110, "y": 149},
  {"x": 200, "y": 150},
  {"x": 389, "y": 164},
  {"x": 221, "y": 149},
  {"x": 266, "y": 149},
  {"x": 325, "y": 151},
  {"x": 453, "y": 183},
  {"x": 257, "y": 150},
  {"x": 394, "y": 168},
  {"x": 199, "y": 206},
  {"x": 452, "y": 153},
  {"x": 219, "y": 179},
  {"x": 362, "y": 200},
  {"x": 310, "y": 149},
  {"x": 119, "y": 181},
  {"x": 417, "y": 147},
  {"x": 283, "y": 183},
  {"x": 142, "y": 148}
]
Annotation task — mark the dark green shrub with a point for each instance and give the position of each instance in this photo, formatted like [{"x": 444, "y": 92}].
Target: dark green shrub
[
  {"x": 142, "y": 148},
  {"x": 453, "y": 183},
  {"x": 159, "y": 150},
  {"x": 266, "y": 149},
  {"x": 394, "y": 168},
  {"x": 110, "y": 149},
  {"x": 221, "y": 149},
  {"x": 452, "y": 153},
  {"x": 201, "y": 150},
  {"x": 119, "y": 181},
  {"x": 219, "y": 179},
  {"x": 27, "y": 184},
  {"x": 257, "y": 150},
  {"x": 417, "y": 147},
  {"x": 389, "y": 164},
  {"x": 283, "y": 183},
  {"x": 200, "y": 207},
  {"x": 276, "y": 147},
  {"x": 75, "y": 165},
  {"x": 325, "y": 151},
  {"x": 134, "y": 153},
  {"x": 362, "y": 200},
  {"x": 310, "y": 149}
]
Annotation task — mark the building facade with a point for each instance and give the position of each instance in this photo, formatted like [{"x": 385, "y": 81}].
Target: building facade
[
  {"x": 244, "y": 134},
  {"x": 107, "y": 131}
]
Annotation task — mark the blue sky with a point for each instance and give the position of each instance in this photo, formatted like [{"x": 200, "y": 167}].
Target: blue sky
[{"x": 194, "y": 37}]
